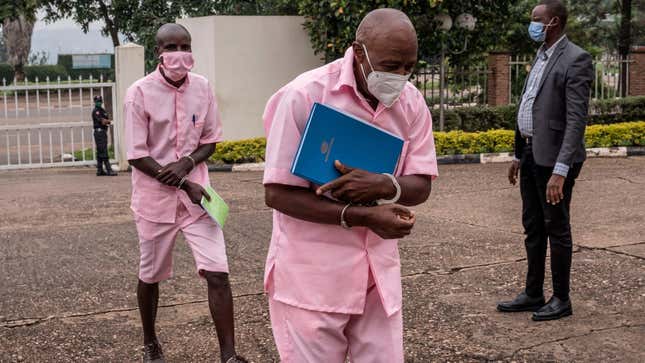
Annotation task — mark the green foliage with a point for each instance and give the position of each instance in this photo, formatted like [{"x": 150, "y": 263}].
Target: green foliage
[
  {"x": 89, "y": 154},
  {"x": 331, "y": 24},
  {"x": 243, "y": 151},
  {"x": 457, "y": 142},
  {"x": 14, "y": 8},
  {"x": 460, "y": 142},
  {"x": 482, "y": 118},
  {"x": 477, "y": 118},
  {"x": 139, "y": 20},
  {"x": 621, "y": 109},
  {"x": 43, "y": 71},
  {"x": 623, "y": 134},
  {"x": 31, "y": 72},
  {"x": 6, "y": 72}
]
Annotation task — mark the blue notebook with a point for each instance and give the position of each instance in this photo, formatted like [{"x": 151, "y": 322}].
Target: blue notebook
[{"x": 332, "y": 135}]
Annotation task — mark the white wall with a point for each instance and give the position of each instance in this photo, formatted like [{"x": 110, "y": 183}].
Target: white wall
[
  {"x": 129, "y": 67},
  {"x": 247, "y": 59}
]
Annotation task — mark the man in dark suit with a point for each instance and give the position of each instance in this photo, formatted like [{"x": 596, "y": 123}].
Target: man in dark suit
[{"x": 549, "y": 152}]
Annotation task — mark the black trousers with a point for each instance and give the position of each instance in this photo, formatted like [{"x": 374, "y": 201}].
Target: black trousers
[
  {"x": 544, "y": 221},
  {"x": 102, "y": 157}
]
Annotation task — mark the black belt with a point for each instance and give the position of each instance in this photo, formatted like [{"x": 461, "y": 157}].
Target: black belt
[
  {"x": 99, "y": 130},
  {"x": 528, "y": 140}
]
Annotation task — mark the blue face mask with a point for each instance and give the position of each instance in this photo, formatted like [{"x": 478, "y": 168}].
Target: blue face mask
[{"x": 537, "y": 31}]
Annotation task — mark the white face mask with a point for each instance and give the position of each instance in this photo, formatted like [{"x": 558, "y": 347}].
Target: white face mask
[{"x": 385, "y": 86}]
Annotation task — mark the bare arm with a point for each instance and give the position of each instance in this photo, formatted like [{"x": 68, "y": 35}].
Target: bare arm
[{"x": 388, "y": 221}]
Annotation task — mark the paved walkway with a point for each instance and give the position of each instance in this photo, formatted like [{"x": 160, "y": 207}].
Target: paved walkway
[{"x": 68, "y": 263}]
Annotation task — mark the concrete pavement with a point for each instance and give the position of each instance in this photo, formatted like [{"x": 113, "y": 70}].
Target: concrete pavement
[{"x": 68, "y": 263}]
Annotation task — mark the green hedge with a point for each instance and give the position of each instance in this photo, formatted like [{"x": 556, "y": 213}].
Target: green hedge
[
  {"x": 31, "y": 72},
  {"x": 458, "y": 142},
  {"x": 89, "y": 154},
  {"x": 623, "y": 134},
  {"x": 243, "y": 151},
  {"x": 483, "y": 118},
  {"x": 6, "y": 72},
  {"x": 44, "y": 71}
]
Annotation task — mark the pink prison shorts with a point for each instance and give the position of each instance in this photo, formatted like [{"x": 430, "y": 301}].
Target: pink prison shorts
[
  {"x": 307, "y": 336},
  {"x": 156, "y": 242}
]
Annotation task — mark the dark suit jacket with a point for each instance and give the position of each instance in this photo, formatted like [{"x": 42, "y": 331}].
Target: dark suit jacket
[{"x": 560, "y": 109}]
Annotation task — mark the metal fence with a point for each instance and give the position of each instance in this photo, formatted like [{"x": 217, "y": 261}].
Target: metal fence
[
  {"x": 45, "y": 124},
  {"x": 464, "y": 86},
  {"x": 607, "y": 75}
]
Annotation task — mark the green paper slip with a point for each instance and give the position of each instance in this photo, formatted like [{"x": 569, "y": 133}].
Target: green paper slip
[{"x": 216, "y": 208}]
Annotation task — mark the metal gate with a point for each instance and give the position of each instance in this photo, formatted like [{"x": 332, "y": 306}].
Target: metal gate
[{"x": 49, "y": 124}]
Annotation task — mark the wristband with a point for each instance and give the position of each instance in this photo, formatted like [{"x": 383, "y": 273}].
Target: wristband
[
  {"x": 343, "y": 223},
  {"x": 181, "y": 182},
  {"x": 397, "y": 195},
  {"x": 191, "y": 159}
]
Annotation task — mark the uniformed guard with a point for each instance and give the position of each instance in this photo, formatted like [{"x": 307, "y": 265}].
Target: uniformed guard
[{"x": 101, "y": 123}]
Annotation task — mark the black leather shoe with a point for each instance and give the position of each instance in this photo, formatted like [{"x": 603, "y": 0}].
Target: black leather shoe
[
  {"x": 111, "y": 173},
  {"x": 554, "y": 309},
  {"x": 522, "y": 302}
]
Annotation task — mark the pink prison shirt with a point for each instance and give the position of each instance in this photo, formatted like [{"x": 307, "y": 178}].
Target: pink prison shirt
[
  {"x": 159, "y": 123},
  {"x": 325, "y": 267}
]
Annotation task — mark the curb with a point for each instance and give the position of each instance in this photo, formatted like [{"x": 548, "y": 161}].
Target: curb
[{"x": 492, "y": 158}]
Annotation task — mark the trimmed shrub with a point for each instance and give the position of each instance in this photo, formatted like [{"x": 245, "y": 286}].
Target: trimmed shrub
[
  {"x": 44, "y": 71},
  {"x": 243, "y": 151},
  {"x": 483, "y": 118},
  {"x": 458, "y": 142},
  {"x": 6, "y": 73},
  {"x": 623, "y": 134}
]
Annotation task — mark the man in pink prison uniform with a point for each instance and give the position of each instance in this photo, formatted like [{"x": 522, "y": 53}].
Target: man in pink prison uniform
[
  {"x": 171, "y": 126},
  {"x": 333, "y": 268}
]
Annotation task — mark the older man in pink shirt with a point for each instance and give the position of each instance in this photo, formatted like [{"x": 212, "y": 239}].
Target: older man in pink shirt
[
  {"x": 333, "y": 268},
  {"x": 172, "y": 125}
]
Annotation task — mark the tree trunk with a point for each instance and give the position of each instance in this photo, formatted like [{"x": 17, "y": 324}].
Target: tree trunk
[
  {"x": 624, "y": 43},
  {"x": 17, "y": 39},
  {"x": 110, "y": 27}
]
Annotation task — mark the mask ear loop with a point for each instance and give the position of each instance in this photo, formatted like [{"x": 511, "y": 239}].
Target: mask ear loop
[
  {"x": 546, "y": 27},
  {"x": 367, "y": 56},
  {"x": 368, "y": 62}
]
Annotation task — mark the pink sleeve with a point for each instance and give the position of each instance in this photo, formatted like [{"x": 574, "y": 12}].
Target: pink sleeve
[
  {"x": 212, "y": 131},
  {"x": 284, "y": 118},
  {"x": 136, "y": 126},
  {"x": 421, "y": 158}
]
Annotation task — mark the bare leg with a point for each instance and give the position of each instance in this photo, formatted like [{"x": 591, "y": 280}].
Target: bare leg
[
  {"x": 148, "y": 299},
  {"x": 220, "y": 303}
]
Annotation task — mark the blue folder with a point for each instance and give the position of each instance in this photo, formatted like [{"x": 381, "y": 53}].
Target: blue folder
[{"x": 332, "y": 135}]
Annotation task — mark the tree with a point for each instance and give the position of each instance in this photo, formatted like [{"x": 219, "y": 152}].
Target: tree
[
  {"x": 18, "y": 18},
  {"x": 331, "y": 24},
  {"x": 139, "y": 20},
  {"x": 85, "y": 12}
]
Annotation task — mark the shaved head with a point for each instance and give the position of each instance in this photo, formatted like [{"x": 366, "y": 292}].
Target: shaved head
[
  {"x": 172, "y": 37},
  {"x": 171, "y": 30},
  {"x": 386, "y": 42},
  {"x": 386, "y": 25}
]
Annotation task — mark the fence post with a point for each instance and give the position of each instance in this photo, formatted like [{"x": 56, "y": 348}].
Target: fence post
[
  {"x": 637, "y": 71},
  {"x": 129, "y": 67},
  {"x": 499, "y": 78}
]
